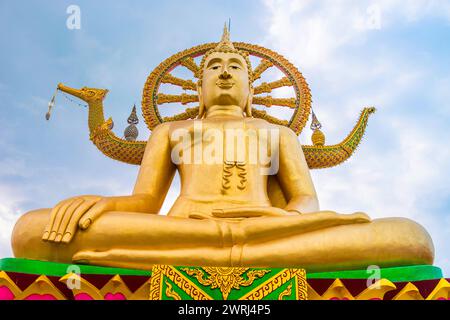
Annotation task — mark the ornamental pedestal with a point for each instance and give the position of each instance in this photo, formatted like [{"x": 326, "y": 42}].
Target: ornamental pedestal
[{"x": 36, "y": 280}]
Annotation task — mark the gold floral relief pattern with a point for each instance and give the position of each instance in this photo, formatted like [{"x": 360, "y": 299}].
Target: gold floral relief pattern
[
  {"x": 302, "y": 285},
  {"x": 276, "y": 282},
  {"x": 159, "y": 271},
  {"x": 285, "y": 293},
  {"x": 225, "y": 279},
  {"x": 170, "y": 293}
]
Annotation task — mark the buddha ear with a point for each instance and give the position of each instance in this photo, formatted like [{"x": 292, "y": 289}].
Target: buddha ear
[
  {"x": 201, "y": 106},
  {"x": 248, "y": 106}
]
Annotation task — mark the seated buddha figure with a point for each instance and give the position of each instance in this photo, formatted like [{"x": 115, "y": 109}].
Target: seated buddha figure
[{"x": 223, "y": 215}]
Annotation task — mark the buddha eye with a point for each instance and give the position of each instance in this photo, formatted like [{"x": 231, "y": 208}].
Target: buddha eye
[
  {"x": 215, "y": 67},
  {"x": 235, "y": 67}
]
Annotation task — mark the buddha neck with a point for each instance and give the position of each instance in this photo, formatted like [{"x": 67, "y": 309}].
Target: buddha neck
[{"x": 219, "y": 111}]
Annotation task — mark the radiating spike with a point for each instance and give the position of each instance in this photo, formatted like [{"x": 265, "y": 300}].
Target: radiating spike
[
  {"x": 441, "y": 291},
  {"x": 337, "y": 291},
  {"x": 269, "y": 101},
  {"x": 190, "y": 113},
  {"x": 171, "y": 98},
  {"x": 143, "y": 293},
  {"x": 377, "y": 290},
  {"x": 42, "y": 288},
  {"x": 268, "y": 87},
  {"x": 8, "y": 284},
  {"x": 262, "y": 114},
  {"x": 84, "y": 290},
  {"x": 190, "y": 64},
  {"x": 409, "y": 292},
  {"x": 263, "y": 66},
  {"x": 185, "y": 84},
  {"x": 115, "y": 289},
  {"x": 312, "y": 294}
]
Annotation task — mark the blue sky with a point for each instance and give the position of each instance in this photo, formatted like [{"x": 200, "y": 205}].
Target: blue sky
[{"x": 393, "y": 55}]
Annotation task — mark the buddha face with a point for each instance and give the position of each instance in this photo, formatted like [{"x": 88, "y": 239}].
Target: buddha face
[{"x": 225, "y": 81}]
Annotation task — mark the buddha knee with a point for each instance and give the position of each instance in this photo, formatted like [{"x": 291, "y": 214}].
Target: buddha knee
[
  {"x": 27, "y": 230},
  {"x": 423, "y": 242},
  {"x": 411, "y": 238}
]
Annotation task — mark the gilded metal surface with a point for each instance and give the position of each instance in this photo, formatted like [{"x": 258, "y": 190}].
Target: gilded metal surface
[{"x": 241, "y": 225}]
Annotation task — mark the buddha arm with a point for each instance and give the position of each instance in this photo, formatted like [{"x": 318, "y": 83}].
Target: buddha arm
[
  {"x": 294, "y": 175},
  {"x": 155, "y": 174}
]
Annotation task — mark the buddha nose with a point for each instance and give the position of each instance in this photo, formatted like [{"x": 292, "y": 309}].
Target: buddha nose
[{"x": 225, "y": 75}]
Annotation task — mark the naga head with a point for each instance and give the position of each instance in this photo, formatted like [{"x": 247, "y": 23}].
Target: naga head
[
  {"x": 225, "y": 75},
  {"x": 86, "y": 94}
]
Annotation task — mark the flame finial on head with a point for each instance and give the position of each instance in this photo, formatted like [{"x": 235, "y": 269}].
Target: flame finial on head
[{"x": 225, "y": 43}]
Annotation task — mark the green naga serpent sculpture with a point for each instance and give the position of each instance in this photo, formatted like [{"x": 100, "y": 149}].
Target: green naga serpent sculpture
[{"x": 317, "y": 155}]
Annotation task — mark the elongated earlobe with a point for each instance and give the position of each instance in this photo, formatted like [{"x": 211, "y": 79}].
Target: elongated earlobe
[
  {"x": 201, "y": 106},
  {"x": 248, "y": 106}
]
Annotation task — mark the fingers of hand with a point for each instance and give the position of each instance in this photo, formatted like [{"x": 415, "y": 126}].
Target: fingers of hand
[
  {"x": 57, "y": 216},
  {"x": 54, "y": 235},
  {"x": 50, "y": 232},
  {"x": 92, "y": 214},
  {"x": 52, "y": 219},
  {"x": 66, "y": 219},
  {"x": 74, "y": 219}
]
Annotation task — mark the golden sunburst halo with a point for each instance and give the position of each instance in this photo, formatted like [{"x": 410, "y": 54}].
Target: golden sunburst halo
[{"x": 300, "y": 103}]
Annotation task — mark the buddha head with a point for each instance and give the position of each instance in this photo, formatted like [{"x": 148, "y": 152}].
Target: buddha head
[{"x": 225, "y": 75}]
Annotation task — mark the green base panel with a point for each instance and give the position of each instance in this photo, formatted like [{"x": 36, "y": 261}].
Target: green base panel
[
  {"x": 61, "y": 269},
  {"x": 397, "y": 274}
]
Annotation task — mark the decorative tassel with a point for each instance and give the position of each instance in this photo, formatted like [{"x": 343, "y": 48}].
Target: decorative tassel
[
  {"x": 317, "y": 138},
  {"x": 131, "y": 132},
  {"x": 51, "y": 104}
]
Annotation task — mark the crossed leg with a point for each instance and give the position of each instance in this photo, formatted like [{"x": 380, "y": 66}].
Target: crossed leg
[{"x": 316, "y": 241}]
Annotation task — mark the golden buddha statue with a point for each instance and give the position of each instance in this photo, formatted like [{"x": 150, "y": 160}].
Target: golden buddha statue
[{"x": 231, "y": 211}]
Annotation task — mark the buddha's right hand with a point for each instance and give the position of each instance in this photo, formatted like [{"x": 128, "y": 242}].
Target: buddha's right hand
[{"x": 65, "y": 216}]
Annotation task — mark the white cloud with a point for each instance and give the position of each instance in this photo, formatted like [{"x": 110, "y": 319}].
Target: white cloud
[
  {"x": 401, "y": 168},
  {"x": 10, "y": 210}
]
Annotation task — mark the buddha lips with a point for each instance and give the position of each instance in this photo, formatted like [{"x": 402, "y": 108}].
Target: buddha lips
[{"x": 225, "y": 84}]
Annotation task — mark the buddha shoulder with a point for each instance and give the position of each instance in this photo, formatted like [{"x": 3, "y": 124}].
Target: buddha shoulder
[
  {"x": 260, "y": 124},
  {"x": 264, "y": 124},
  {"x": 167, "y": 128}
]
